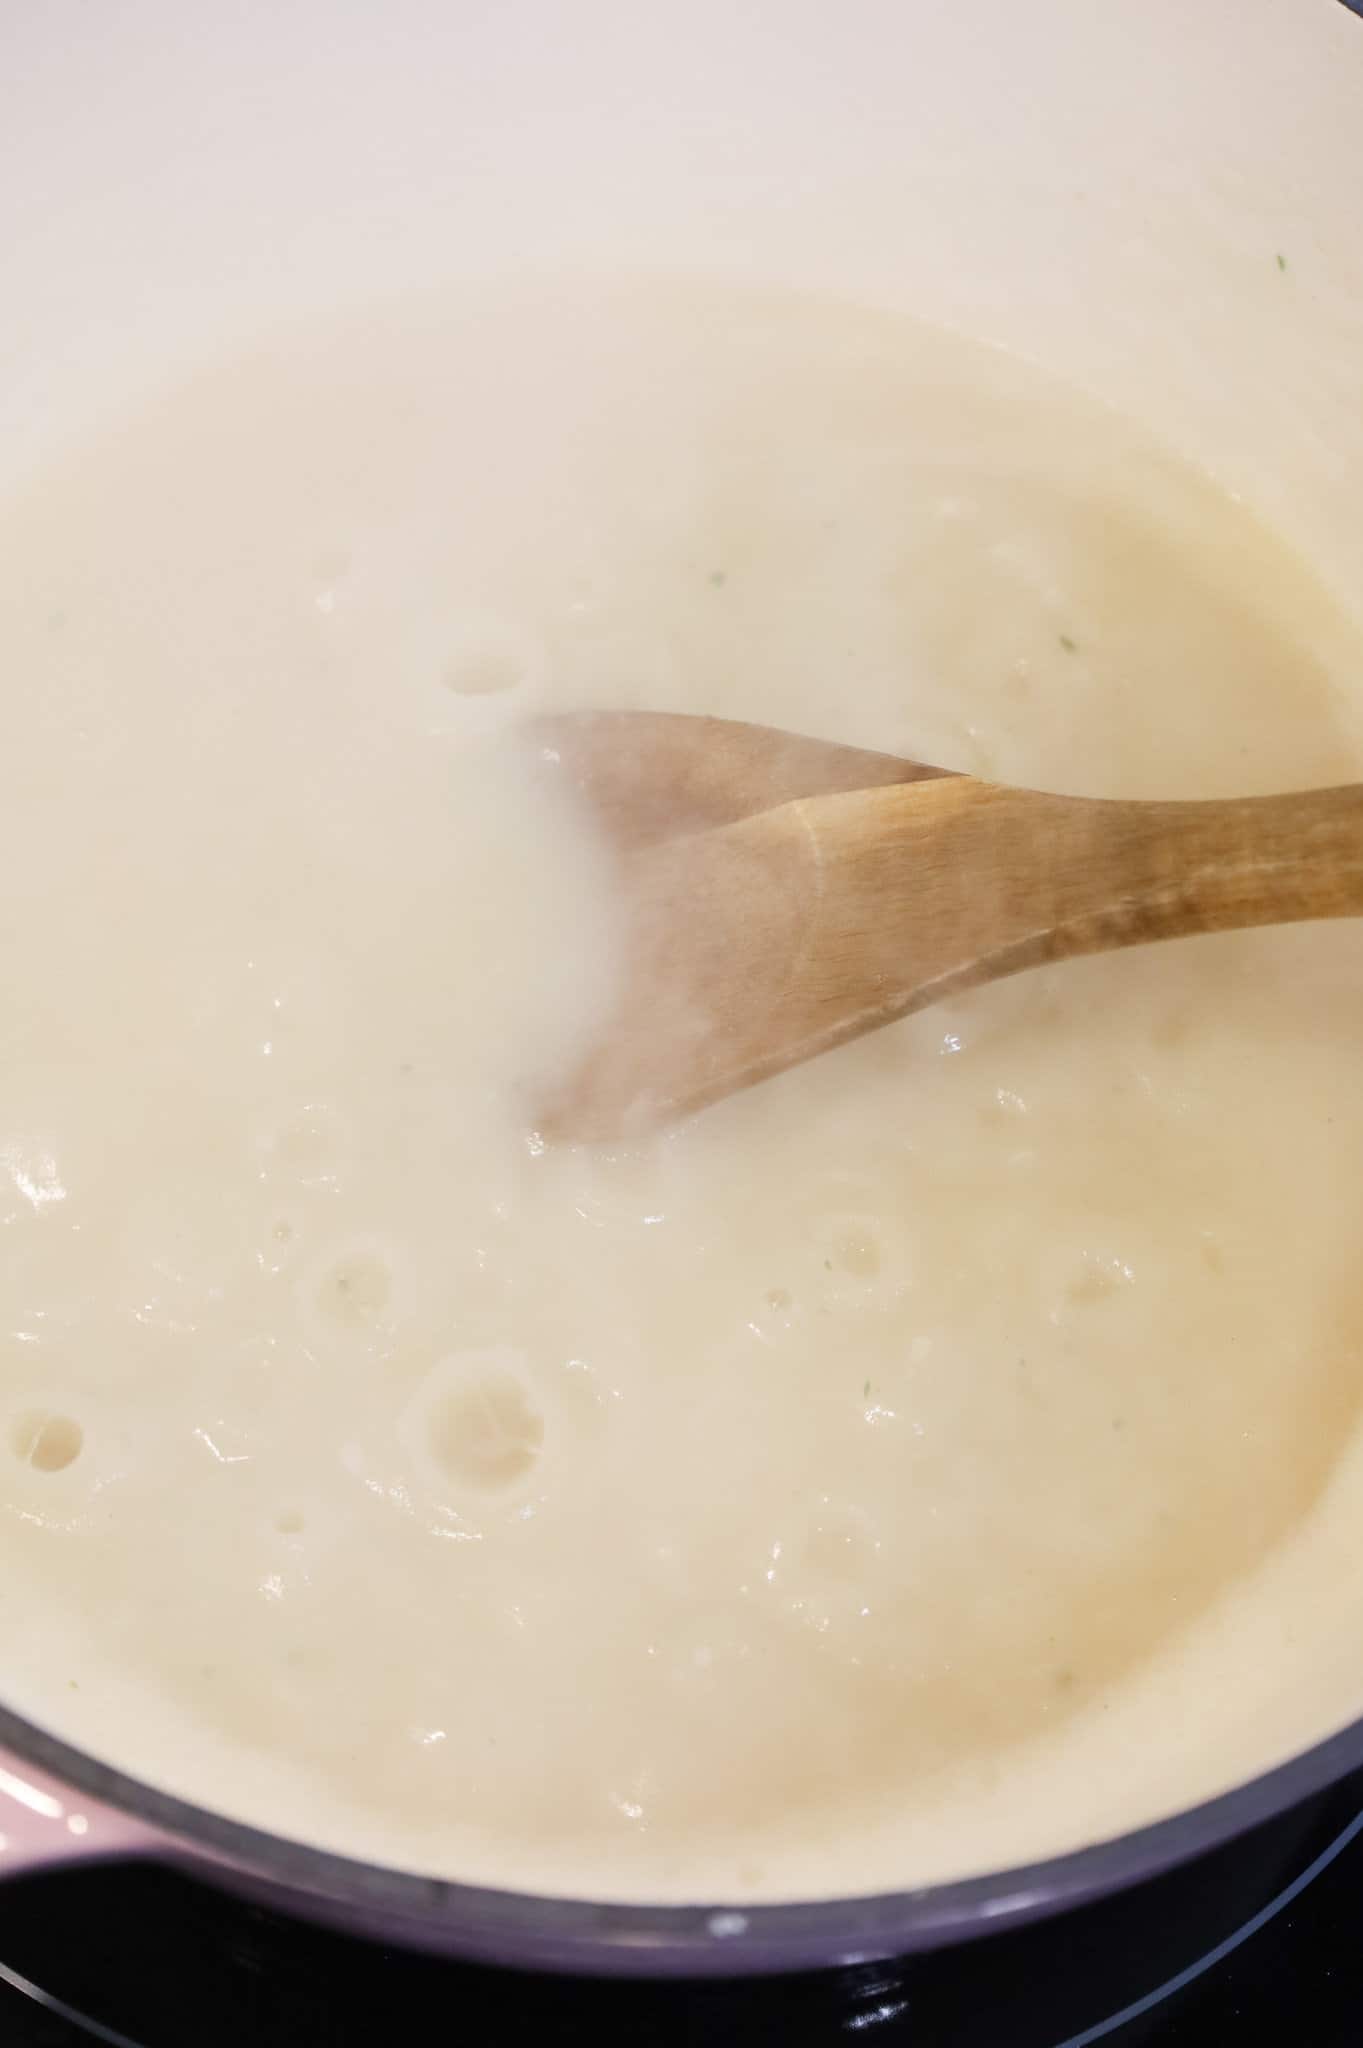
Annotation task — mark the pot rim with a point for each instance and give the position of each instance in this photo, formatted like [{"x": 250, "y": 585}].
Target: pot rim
[{"x": 722, "y": 1936}]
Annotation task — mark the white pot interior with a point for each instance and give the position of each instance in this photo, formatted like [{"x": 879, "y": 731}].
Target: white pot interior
[
  {"x": 1156, "y": 204},
  {"x": 1107, "y": 191}
]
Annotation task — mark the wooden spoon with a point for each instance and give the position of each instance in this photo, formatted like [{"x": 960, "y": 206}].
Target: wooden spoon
[{"x": 783, "y": 896}]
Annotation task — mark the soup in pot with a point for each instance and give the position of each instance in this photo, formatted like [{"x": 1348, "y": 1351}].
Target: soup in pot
[{"x": 939, "y": 1457}]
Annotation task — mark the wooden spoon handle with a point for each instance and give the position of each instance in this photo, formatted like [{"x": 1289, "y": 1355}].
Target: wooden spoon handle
[
  {"x": 777, "y": 935},
  {"x": 1220, "y": 865},
  {"x": 965, "y": 881}
]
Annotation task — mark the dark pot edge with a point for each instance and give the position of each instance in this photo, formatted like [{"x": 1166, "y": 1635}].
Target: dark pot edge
[{"x": 719, "y": 1938}]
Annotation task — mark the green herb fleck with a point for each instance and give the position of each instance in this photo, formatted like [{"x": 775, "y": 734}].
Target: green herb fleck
[
  {"x": 1282, "y": 260},
  {"x": 1070, "y": 646},
  {"x": 866, "y": 1391},
  {"x": 718, "y": 579}
]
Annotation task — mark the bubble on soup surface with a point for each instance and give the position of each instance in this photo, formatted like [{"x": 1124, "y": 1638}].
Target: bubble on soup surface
[
  {"x": 489, "y": 1435},
  {"x": 484, "y": 673},
  {"x": 49, "y": 1443},
  {"x": 490, "y": 659},
  {"x": 866, "y": 1258},
  {"x": 477, "y": 1423},
  {"x": 279, "y": 1242},
  {"x": 775, "y": 1315},
  {"x": 351, "y": 1292},
  {"x": 827, "y": 1576}
]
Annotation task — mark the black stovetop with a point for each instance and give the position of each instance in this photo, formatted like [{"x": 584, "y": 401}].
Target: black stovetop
[{"x": 1258, "y": 1943}]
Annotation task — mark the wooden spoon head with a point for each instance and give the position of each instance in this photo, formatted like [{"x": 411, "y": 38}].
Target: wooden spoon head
[
  {"x": 654, "y": 775},
  {"x": 713, "y": 925},
  {"x": 719, "y": 877}
]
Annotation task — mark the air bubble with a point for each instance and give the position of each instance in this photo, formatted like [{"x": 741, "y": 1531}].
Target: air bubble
[
  {"x": 279, "y": 1243},
  {"x": 49, "y": 1443},
  {"x": 483, "y": 673},
  {"x": 827, "y": 1576},
  {"x": 488, "y": 1434},
  {"x": 775, "y": 1315},
  {"x": 866, "y": 1255},
  {"x": 476, "y": 1423},
  {"x": 489, "y": 657}
]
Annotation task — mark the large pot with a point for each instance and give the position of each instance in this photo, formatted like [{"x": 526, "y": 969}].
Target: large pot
[{"x": 1159, "y": 203}]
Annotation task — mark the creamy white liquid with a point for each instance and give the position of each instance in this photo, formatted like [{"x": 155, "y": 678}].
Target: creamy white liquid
[{"x": 944, "y": 1455}]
